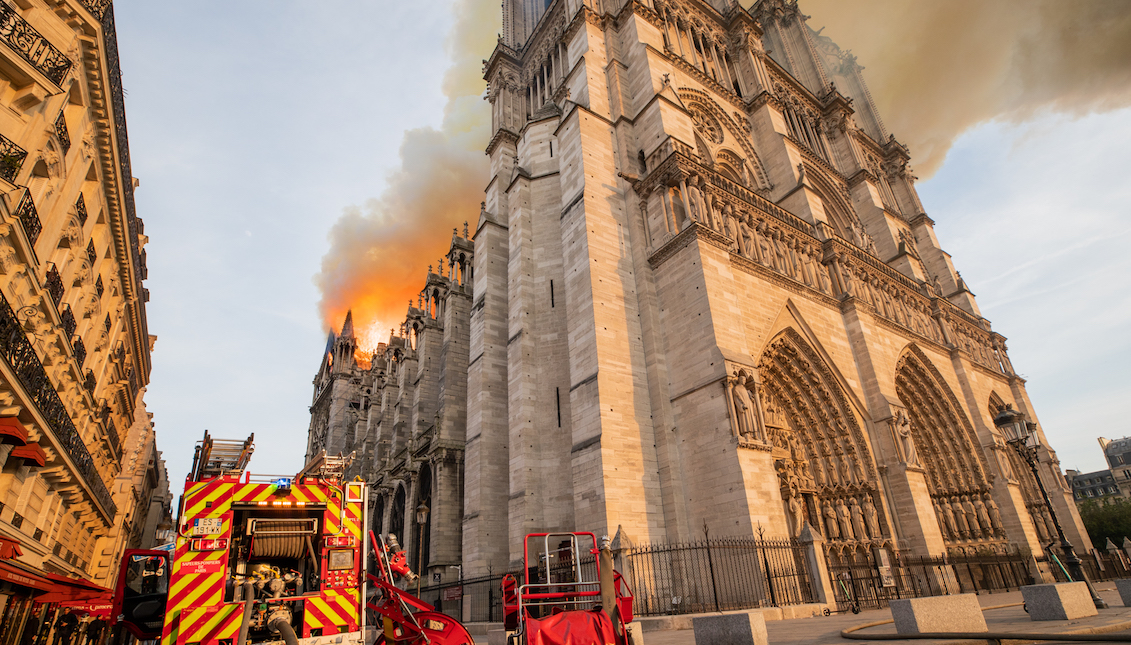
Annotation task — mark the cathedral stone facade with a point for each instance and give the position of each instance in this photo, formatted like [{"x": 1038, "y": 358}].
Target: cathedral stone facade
[{"x": 704, "y": 296}]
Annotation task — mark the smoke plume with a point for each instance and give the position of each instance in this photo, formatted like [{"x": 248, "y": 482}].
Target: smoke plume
[
  {"x": 379, "y": 252},
  {"x": 935, "y": 68}
]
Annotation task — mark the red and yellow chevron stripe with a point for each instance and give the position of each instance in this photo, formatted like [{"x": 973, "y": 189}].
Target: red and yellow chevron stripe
[
  {"x": 335, "y": 612},
  {"x": 196, "y": 612}
]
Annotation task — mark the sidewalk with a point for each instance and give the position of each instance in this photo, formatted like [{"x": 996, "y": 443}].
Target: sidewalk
[{"x": 803, "y": 631}]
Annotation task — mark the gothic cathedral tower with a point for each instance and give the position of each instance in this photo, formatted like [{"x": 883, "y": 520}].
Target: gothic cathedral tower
[{"x": 707, "y": 297}]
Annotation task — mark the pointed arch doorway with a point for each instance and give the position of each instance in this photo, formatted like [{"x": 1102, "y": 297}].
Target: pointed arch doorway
[{"x": 825, "y": 468}]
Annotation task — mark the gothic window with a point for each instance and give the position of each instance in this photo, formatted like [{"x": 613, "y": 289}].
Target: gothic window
[
  {"x": 396, "y": 519},
  {"x": 423, "y": 496}
]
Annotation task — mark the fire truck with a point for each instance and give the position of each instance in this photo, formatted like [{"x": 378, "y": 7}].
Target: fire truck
[{"x": 262, "y": 559}]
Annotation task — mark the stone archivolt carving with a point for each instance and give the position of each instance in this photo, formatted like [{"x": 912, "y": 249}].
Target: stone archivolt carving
[
  {"x": 824, "y": 466},
  {"x": 706, "y": 124},
  {"x": 946, "y": 445}
]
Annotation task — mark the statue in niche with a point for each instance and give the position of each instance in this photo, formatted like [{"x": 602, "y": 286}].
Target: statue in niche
[
  {"x": 795, "y": 511},
  {"x": 971, "y": 516},
  {"x": 983, "y": 517},
  {"x": 995, "y": 515},
  {"x": 947, "y": 531},
  {"x": 743, "y": 407},
  {"x": 872, "y": 517},
  {"x": 845, "y": 517},
  {"x": 857, "y": 520},
  {"x": 818, "y": 473},
  {"x": 832, "y": 531},
  {"x": 903, "y": 436},
  {"x": 960, "y": 517},
  {"x": 845, "y": 468},
  {"x": 695, "y": 200},
  {"x": 857, "y": 233},
  {"x": 858, "y": 470},
  {"x": 731, "y": 223},
  {"x": 951, "y": 522},
  {"x": 1039, "y": 524}
]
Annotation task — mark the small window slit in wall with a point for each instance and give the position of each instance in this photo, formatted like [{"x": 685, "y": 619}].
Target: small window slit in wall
[
  {"x": 551, "y": 149},
  {"x": 558, "y": 400},
  {"x": 551, "y": 294}
]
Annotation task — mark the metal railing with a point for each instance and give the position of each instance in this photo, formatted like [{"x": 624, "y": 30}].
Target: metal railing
[
  {"x": 473, "y": 600},
  {"x": 29, "y": 217},
  {"x": 32, "y": 46},
  {"x": 11, "y": 158},
  {"x": 62, "y": 132},
  {"x": 860, "y": 582},
  {"x": 21, "y": 357},
  {"x": 717, "y": 575}
]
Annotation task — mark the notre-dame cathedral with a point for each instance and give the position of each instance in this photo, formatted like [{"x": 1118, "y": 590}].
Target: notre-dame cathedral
[{"x": 701, "y": 294}]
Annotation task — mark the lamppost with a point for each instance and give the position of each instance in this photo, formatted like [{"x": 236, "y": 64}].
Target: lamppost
[
  {"x": 421, "y": 519},
  {"x": 1022, "y": 435}
]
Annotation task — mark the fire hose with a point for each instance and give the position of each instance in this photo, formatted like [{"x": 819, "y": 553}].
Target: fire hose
[{"x": 248, "y": 603}]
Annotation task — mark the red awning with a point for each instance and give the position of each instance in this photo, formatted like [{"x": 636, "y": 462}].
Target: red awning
[
  {"x": 99, "y": 607},
  {"x": 12, "y": 431},
  {"x": 19, "y": 576},
  {"x": 69, "y": 590},
  {"x": 9, "y": 548},
  {"x": 31, "y": 454}
]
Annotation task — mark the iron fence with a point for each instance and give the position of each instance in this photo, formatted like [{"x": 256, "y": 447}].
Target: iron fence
[
  {"x": 716, "y": 575},
  {"x": 1097, "y": 565},
  {"x": 859, "y": 583},
  {"x": 472, "y": 600}
]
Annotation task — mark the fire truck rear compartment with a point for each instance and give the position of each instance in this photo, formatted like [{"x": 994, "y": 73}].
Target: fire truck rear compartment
[{"x": 275, "y": 553}]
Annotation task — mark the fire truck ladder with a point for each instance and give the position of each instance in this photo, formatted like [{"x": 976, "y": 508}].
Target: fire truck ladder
[
  {"x": 327, "y": 466},
  {"x": 215, "y": 457}
]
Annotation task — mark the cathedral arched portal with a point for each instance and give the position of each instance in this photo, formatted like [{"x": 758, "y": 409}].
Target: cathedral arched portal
[
  {"x": 825, "y": 469},
  {"x": 942, "y": 441}
]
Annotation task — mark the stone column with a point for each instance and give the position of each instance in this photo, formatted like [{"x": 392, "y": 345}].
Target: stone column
[{"x": 817, "y": 566}]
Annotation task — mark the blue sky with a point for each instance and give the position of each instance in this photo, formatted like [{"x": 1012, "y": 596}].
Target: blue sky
[{"x": 255, "y": 124}]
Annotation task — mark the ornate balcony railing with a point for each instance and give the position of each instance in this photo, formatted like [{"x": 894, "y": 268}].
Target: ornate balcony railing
[
  {"x": 97, "y": 7},
  {"x": 112, "y": 433},
  {"x": 20, "y": 356},
  {"x": 54, "y": 285},
  {"x": 99, "y": 287},
  {"x": 11, "y": 158},
  {"x": 91, "y": 253},
  {"x": 29, "y": 43},
  {"x": 63, "y": 133},
  {"x": 67, "y": 319},
  {"x": 29, "y": 217},
  {"x": 80, "y": 209},
  {"x": 80, "y": 351}
]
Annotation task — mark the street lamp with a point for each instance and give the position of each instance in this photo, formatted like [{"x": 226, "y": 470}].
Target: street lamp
[
  {"x": 1022, "y": 435},
  {"x": 421, "y": 519}
]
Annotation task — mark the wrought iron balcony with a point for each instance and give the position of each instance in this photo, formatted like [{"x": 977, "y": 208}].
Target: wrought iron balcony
[
  {"x": 112, "y": 433},
  {"x": 20, "y": 356},
  {"x": 67, "y": 318},
  {"x": 91, "y": 381},
  {"x": 29, "y": 217},
  {"x": 97, "y": 7},
  {"x": 11, "y": 158},
  {"x": 54, "y": 285},
  {"x": 80, "y": 351},
  {"x": 80, "y": 209},
  {"x": 63, "y": 133},
  {"x": 32, "y": 46},
  {"x": 91, "y": 253},
  {"x": 99, "y": 287}
]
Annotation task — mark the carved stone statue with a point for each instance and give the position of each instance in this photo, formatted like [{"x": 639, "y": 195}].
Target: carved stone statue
[
  {"x": 872, "y": 518},
  {"x": 796, "y": 513},
  {"x": 971, "y": 517},
  {"x": 832, "y": 531},
  {"x": 995, "y": 515},
  {"x": 845, "y": 517},
  {"x": 744, "y": 408},
  {"x": 951, "y": 522},
  {"x": 983, "y": 517},
  {"x": 696, "y": 201},
  {"x": 960, "y": 517},
  {"x": 857, "y": 520},
  {"x": 906, "y": 442},
  {"x": 946, "y": 531}
]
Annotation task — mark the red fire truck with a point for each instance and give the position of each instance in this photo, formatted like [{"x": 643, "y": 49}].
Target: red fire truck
[{"x": 270, "y": 559}]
